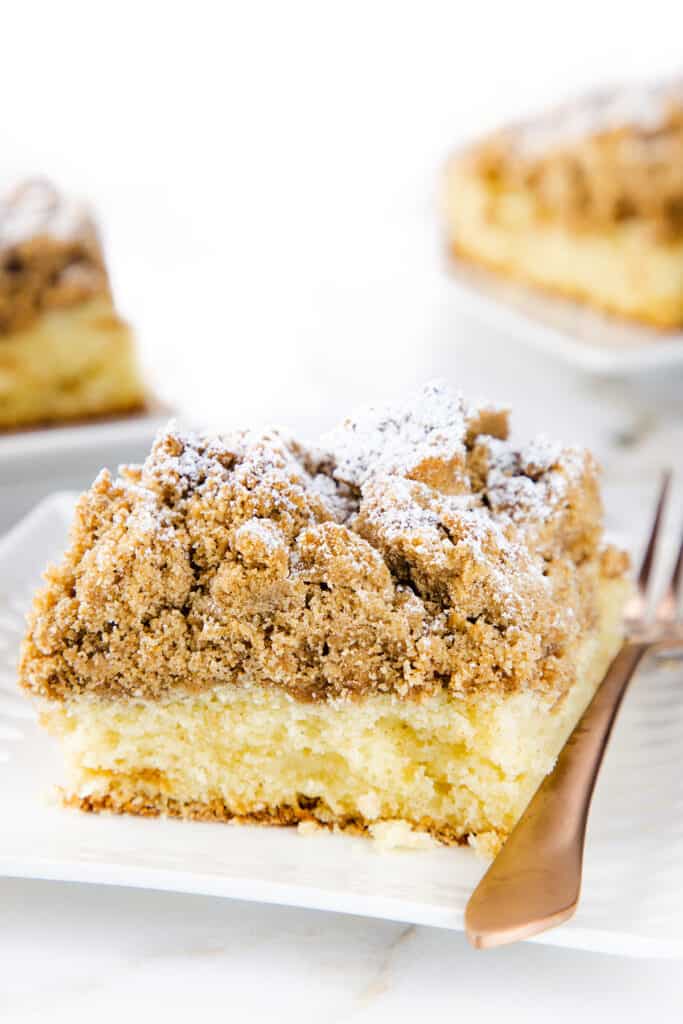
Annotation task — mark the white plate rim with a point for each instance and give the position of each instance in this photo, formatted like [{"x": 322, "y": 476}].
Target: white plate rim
[
  {"x": 77, "y": 437},
  {"x": 483, "y": 295}
]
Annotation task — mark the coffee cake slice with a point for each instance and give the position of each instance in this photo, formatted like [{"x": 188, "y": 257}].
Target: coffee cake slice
[
  {"x": 65, "y": 354},
  {"x": 585, "y": 201},
  {"x": 400, "y": 626}
]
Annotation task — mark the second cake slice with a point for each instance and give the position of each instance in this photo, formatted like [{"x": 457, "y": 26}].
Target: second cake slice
[
  {"x": 585, "y": 201},
  {"x": 65, "y": 353}
]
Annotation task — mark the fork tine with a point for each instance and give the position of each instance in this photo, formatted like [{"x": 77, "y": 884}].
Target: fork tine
[
  {"x": 651, "y": 549},
  {"x": 637, "y": 605},
  {"x": 677, "y": 576},
  {"x": 667, "y": 609}
]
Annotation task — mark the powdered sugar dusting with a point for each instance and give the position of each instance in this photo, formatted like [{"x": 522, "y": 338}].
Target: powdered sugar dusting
[
  {"x": 262, "y": 532},
  {"x": 481, "y": 504},
  {"x": 339, "y": 502},
  {"x": 36, "y": 209},
  {"x": 641, "y": 106},
  {"x": 396, "y": 438},
  {"x": 528, "y": 484}
]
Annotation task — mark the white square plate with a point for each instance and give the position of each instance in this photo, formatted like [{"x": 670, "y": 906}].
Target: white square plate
[
  {"x": 59, "y": 441},
  {"x": 35, "y": 463},
  {"x": 587, "y": 339},
  {"x": 633, "y": 889}
]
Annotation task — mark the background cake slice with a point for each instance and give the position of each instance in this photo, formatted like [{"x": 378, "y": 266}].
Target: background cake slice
[
  {"x": 401, "y": 626},
  {"x": 65, "y": 354},
  {"x": 585, "y": 201}
]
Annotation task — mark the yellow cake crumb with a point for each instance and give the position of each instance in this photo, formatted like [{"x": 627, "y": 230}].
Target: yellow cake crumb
[{"x": 400, "y": 835}]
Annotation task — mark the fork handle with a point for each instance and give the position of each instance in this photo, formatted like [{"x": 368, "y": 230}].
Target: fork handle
[{"x": 535, "y": 881}]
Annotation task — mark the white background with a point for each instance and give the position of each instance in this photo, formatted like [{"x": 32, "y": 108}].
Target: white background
[
  {"x": 268, "y": 174},
  {"x": 267, "y": 178}
]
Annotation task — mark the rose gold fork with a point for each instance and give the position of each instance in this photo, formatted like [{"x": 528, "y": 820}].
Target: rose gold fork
[{"x": 535, "y": 881}]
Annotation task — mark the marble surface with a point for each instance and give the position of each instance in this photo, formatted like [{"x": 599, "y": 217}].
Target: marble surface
[{"x": 78, "y": 953}]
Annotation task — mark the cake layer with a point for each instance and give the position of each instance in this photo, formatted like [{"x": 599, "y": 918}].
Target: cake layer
[
  {"x": 69, "y": 363},
  {"x": 456, "y": 766},
  {"x": 623, "y": 268}
]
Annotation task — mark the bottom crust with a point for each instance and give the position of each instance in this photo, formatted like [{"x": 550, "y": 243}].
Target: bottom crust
[
  {"x": 459, "y": 768},
  {"x": 622, "y": 270},
  {"x": 284, "y": 815}
]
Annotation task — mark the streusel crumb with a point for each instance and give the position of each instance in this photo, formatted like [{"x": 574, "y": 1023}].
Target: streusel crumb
[
  {"x": 607, "y": 158},
  {"x": 50, "y": 255},
  {"x": 417, "y": 550}
]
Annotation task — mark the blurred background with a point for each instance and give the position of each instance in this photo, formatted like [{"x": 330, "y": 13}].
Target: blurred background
[{"x": 267, "y": 175}]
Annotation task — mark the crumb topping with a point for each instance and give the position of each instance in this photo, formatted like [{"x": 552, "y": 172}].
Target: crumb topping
[
  {"x": 607, "y": 158},
  {"x": 424, "y": 437},
  {"x": 50, "y": 255},
  {"x": 415, "y": 549}
]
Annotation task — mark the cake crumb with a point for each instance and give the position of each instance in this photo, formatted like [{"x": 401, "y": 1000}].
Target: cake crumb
[
  {"x": 309, "y": 828},
  {"x": 400, "y": 835},
  {"x": 486, "y": 844}
]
